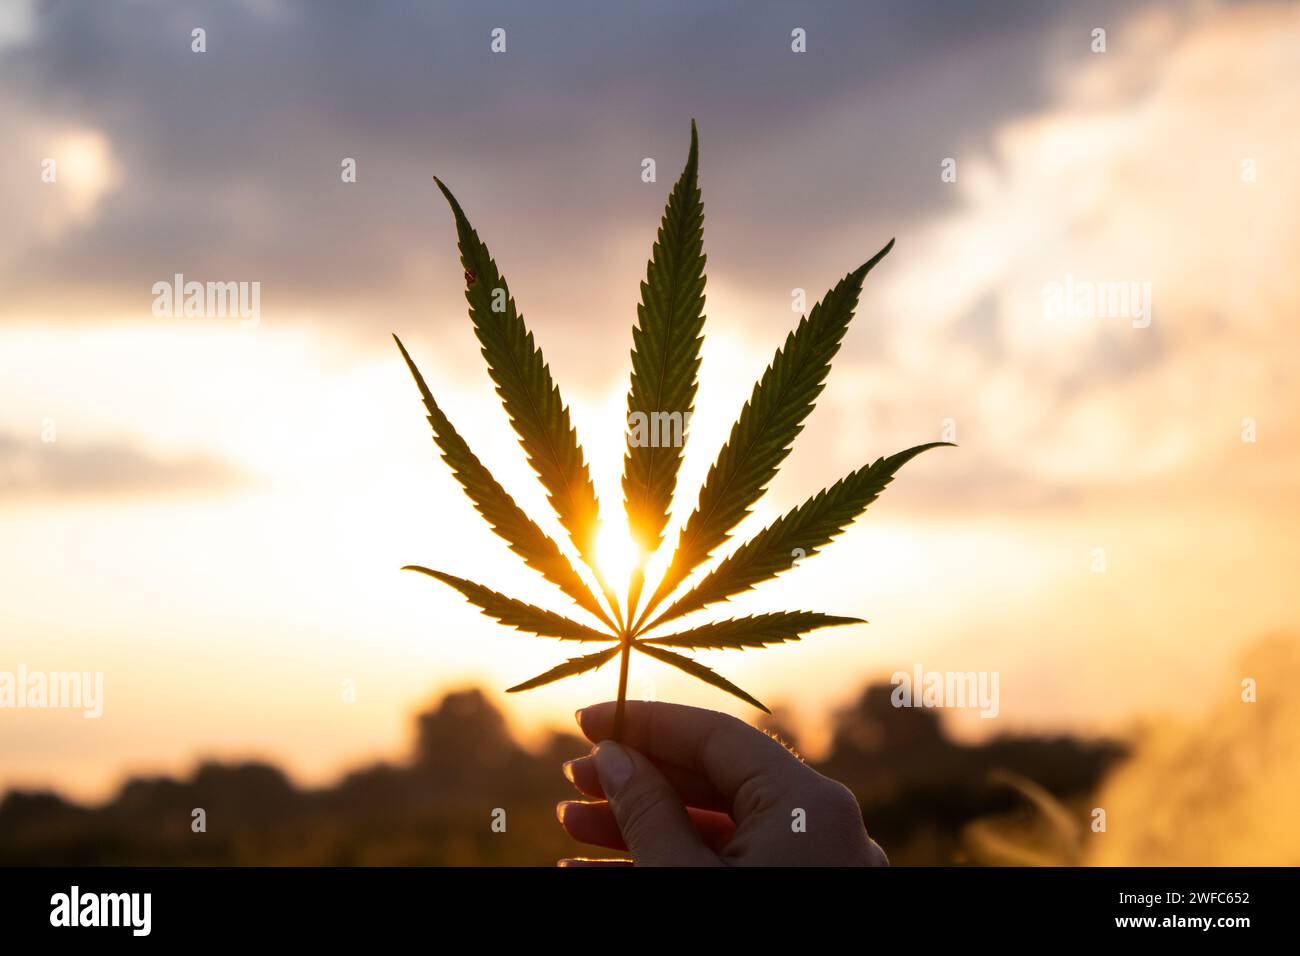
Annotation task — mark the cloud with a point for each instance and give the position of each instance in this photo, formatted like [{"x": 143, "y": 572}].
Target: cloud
[
  {"x": 59, "y": 468},
  {"x": 1136, "y": 175},
  {"x": 17, "y": 23},
  {"x": 225, "y": 165},
  {"x": 230, "y": 159}
]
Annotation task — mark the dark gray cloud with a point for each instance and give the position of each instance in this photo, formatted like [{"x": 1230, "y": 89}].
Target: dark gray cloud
[
  {"x": 62, "y": 468},
  {"x": 230, "y": 158}
]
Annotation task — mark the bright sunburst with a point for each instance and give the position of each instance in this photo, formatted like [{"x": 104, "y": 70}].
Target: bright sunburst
[{"x": 617, "y": 554}]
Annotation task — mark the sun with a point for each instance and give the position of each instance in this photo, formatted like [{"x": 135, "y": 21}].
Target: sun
[{"x": 617, "y": 554}]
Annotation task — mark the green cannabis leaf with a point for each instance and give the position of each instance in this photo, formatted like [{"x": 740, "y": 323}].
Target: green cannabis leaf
[
  {"x": 665, "y": 361},
  {"x": 666, "y": 344}
]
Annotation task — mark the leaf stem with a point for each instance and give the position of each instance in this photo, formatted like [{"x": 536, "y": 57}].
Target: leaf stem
[{"x": 621, "y": 707}]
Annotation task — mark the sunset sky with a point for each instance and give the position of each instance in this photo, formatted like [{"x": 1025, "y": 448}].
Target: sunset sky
[{"x": 213, "y": 513}]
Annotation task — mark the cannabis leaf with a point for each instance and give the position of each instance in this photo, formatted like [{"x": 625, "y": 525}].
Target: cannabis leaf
[
  {"x": 666, "y": 342},
  {"x": 796, "y": 535},
  {"x": 495, "y": 504},
  {"x": 665, "y": 361},
  {"x": 758, "y": 631},
  {"x": 768, "y": 423},
  {"x": 696, "y": 669},
  {"x": 531, "y": 399},
  {"x": 521, "y": 616},
  {"x": 570, "y": 668}
]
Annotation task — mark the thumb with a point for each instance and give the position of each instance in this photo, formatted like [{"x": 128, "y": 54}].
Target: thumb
[{"x": 650, "y": 815}]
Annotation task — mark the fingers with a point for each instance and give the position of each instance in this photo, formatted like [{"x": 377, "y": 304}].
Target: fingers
[
  {"x": 694, "y": 789},
  {"x": 651, "y": 818},
  {"x": 723, "y": 750},
  {"x": 594, "y": 823}
]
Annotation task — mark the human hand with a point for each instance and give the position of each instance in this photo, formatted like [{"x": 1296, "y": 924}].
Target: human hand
[{"x": 692, "y": 787}]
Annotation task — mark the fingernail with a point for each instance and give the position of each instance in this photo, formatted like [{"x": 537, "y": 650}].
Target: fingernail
[
  {"x": 614, "y": 767},
  {"x": 559, "y": 810},
  {"x": 577, "y": 715},
  {"x": 568, "y": 770}
]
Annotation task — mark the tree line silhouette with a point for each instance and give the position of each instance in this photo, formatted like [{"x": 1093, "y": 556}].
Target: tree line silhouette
[{"x": 919, "y": 791}]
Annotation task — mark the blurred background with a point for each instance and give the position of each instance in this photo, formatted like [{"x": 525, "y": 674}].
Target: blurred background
[{"x": 212, "y": 512}]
